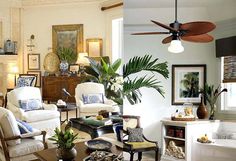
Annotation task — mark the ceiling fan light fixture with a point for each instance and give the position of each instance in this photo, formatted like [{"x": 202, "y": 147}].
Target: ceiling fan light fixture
[{"x": 176, "y": 47}]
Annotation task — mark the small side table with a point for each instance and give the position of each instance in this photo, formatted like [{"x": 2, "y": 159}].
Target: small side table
[{"x": 69, "y": 107}]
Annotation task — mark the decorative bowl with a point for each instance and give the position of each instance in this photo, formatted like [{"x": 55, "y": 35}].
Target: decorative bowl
[{"x": 98, "y": 144}]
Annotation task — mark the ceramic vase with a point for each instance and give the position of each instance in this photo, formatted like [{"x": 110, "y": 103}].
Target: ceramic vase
[
  {"x": 202, "y": 110},
  {"x": 64, "y": 67},
  {"x": 66, "y": 154},
  {"x": 212, "y": 112}
]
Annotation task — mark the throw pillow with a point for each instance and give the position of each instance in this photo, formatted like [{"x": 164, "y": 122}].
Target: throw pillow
[
  {"x": 30, "y": 104},
  {"x": 135, "y": 135},
  {"x": 24, "y": 81},
  {"x": 93, "y": 98},
  {"x": 24, "y": 127}
]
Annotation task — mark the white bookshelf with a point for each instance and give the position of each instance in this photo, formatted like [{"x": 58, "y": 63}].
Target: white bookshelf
[{"x": 192, "y": 130}]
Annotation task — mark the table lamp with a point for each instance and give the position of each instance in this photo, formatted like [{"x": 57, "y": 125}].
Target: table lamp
[{"x": 82, "y": 61}]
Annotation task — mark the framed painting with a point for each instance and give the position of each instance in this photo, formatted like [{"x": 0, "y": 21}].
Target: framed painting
[
  {"x": 186, "y": 83},
  {"x": 38, "y": 77},
  {"x": 68, "y": 36},
  {"x": 33, "y": 61},
  {"x": 94, "y": 47},
  {"x": 74, "y": 68}
]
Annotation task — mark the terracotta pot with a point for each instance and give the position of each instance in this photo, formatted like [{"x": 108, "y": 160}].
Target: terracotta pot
[
  {"x": 66, "y": 154},
  {"x": 202, "y": 110}
]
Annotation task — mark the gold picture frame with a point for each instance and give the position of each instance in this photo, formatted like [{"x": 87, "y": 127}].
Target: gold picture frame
[
  {"x": 94, "y": 47},
  {"x": 69, "y": 36},
  {"x": 33, "y": 61}
]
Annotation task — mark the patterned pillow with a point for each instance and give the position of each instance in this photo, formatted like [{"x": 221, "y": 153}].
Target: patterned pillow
[
  {"x": 24, "y": 127},
  {"x": 93, "y": 98},
  {"x": 24, "y": 81},
  {"x": 135, "y": 135},
  {"x": 30, "y": 104}
]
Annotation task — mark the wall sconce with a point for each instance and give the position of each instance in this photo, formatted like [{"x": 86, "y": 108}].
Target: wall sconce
[{"x": 31, "y": 44}]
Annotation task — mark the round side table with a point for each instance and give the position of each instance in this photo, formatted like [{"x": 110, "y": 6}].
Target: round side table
[{"x": 67, "y": 108}]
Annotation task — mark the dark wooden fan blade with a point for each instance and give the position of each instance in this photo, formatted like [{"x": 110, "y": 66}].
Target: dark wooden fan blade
[
  {"x": 167, "y": 40},
  {"x": 198, "y": 38},
  {"x": 164, "y": 26},
  {"x": 150, "y": 33},
  {"x": 197, "y": 28}
]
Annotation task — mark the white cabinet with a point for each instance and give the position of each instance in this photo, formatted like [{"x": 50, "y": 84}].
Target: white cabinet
[{"x": 184, "y": 133}]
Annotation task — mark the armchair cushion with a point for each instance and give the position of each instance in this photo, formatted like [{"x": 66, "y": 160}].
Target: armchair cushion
[
  {"x": 40, "y": 115},
  {"x": 140, "y": 145},
  {"x": 135, "y": 135},
  {"x": 96, "y": 107},
  {"x": 27, "y": 146},
  {"x": 9, "y": 126},
  {"x": 30, "y": 104},
  {"x": 93, "y": 98},
  {"x": 24, "y": 127}
]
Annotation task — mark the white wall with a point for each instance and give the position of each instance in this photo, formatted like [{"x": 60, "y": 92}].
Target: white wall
[
  {"x": 154, "y": 107},
  {"x": 39, "y": 20}
]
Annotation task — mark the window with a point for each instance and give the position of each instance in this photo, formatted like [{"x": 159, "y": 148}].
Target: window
[
  {"x": 228, "y": 102},
  {"x": 117, "y": 38}
]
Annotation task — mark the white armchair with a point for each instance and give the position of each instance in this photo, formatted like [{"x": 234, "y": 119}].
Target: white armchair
[
  {"x": 15, "y": 146},
  {"x": 94, "y": 108},
  {"x": 46, "y": 119}
]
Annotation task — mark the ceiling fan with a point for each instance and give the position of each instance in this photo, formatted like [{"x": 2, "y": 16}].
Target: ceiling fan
[{"x": 191, "y": 31}]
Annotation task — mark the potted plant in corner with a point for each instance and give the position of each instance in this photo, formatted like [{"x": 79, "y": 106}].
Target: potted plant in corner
[
  {"x": 65, "y": 143},
  {"x": 211, "y": 96},
  {"x": 67, "y": 57}
]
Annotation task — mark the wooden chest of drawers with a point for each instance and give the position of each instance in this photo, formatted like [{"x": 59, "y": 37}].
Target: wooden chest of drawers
[{"x": 52, "y": 87}]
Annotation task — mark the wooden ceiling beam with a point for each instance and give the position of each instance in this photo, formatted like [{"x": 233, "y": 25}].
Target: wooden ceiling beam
[{"x": 112, "y": 6}]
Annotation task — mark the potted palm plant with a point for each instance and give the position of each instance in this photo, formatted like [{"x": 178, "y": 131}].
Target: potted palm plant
[
  {"x": 65, "y": 143},
  {"x": 129, "y": 87}
]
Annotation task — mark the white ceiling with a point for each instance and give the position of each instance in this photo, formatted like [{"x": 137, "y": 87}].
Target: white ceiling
[{"x": 181, "y": 3}]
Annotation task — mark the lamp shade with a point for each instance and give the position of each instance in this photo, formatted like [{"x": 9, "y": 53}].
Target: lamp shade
[
  {"x": 82, "y": 59},
  {"x": 176, "y": 47},
  {"x": 14, "y": 70}
]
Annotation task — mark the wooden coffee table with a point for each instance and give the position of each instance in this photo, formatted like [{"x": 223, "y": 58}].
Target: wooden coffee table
[
  {"x": 82, "y": 152},
  {"x": 93, "y": 131}
]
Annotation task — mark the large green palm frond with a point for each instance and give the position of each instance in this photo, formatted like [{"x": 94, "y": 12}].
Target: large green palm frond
[
  {"x": 137, "y": 64},
  {"x": 131, "y": 87}
]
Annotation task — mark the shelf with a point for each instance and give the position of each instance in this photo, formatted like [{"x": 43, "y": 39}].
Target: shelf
[
  {"x": 169, "y": 158},
  {"x": 174, "y": 138}
]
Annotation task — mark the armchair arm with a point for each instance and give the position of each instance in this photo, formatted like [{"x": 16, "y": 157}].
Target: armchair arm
[
  {"x": 18, "y": 112},
  {"x": 79, "y": 103},
  {"x": 30, "y": 135},
  {"x": 109, "y": 102},
  {"x": 50, "y": 107}
]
